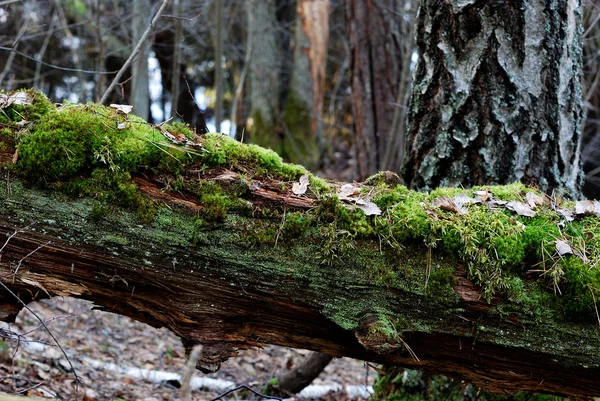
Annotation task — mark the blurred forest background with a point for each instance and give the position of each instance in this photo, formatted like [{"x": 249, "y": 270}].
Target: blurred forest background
[{"x": 318, "y": 81}]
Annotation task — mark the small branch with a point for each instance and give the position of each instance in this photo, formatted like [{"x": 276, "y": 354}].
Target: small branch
[
  {"x": 136, "y": 50},
  {"x": 186, "y": 377}
]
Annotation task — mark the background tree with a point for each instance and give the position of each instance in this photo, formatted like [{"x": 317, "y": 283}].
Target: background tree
[{"x": 497, "y": 96}]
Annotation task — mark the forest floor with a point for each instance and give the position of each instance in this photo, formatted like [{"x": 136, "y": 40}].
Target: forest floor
[{"x": 118, "y": 359}]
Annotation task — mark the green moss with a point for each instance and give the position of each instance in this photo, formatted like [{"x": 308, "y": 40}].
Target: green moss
[
  {"x": 80, "y": 150},
  {"x": 509, "y": 192},
  {"x": 115, "y": 239},
  {"x": 318, "y": 185},
  {"x": 222, "y": 150},
  {"x": 179, "y": 128},
  {"x": 296, "y": 225}
]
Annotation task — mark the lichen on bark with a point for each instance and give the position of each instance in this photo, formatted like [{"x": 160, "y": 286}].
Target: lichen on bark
[{"x": 496, "y": 96}]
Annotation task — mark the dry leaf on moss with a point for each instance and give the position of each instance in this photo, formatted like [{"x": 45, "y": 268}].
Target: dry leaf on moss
[
  {"x": 520, "y": 208},
  {"x": 445, "y": 203},
  {"x": 299, "y": 188}
]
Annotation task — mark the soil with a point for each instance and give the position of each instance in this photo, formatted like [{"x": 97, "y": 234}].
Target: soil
[{"x": 104, "y": 349}]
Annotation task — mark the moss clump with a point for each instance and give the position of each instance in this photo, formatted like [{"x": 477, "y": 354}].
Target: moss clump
[
  {"x": 222, "y": 150},
  {"x": 296, "y": 225},
  {"x": 74, "y": 140}
]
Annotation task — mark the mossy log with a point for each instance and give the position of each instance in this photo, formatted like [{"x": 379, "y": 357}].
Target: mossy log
[{"x": 229, "y": 247}]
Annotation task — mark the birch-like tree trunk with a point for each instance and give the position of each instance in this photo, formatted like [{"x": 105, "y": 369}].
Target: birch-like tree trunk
[{"x": 496, "y": 95}]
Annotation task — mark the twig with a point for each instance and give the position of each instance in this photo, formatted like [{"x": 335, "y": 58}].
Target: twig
[
  {"x": 244, "y": 387},
  {"x": 56, "y": 67},
  {"x": 40, "y": 54},
  {"x": 62, "y": 350},
  {"x": 186, "y": 377},
  {"x": 595, "y": 305},
  {"x": 134, "y": 53},
  {"x": 205, "y": 128},
  {"x": 13, "y": 50},
  {"x": 28, "y": 255},
  {"x": 42, "y": 323}
]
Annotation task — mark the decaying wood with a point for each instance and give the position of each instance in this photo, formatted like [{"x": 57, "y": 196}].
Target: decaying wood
[{"x": 229, "y": 296}]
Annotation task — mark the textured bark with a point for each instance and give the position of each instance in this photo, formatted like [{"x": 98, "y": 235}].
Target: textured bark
[
  {"x": 376, "y": 71},
  {"x": 227, "y": 295},
  {"x": 496, "y": 96},
  {"x": 264, "y": 72},
  {"x": 304, "y": 102}
]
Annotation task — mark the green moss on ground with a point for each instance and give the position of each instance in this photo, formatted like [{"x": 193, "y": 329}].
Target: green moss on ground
[{"x": 93, "y": 151}]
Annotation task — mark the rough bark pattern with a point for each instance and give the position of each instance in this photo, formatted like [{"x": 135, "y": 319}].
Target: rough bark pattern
[
  {"x": 264, "y": 71},
  {"x": 375, "y": 69},
  {"x": 496, "y": 95}
]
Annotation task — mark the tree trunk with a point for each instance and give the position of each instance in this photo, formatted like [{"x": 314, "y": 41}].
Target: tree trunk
[
  {"x": 496, "y": 95},
  {"x": 140, "y": 91},
  {"x": 376, "y": 68},
  {"x": 304, "y": 101},
  {"x": 264, "y": 72},
  {"x": 211, "y": 242}
]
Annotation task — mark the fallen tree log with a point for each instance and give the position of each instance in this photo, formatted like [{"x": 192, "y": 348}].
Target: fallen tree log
[{"x": 228, "y": 247}]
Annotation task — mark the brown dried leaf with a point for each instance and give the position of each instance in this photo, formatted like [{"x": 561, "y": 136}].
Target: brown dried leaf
[
  {"x": 370, "y": 208},
  {"x": 347, "y": 191},
  {"x": 445, "y": 203},
  {"x": 299, "y": 188},
  {"x": 482, "y": 196},
  {"x": 534, "y": 200},
  {"x": 520, "y": 208}
]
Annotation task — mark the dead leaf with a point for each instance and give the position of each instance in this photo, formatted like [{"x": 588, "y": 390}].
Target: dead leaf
[
  {"x": 370, "y": 208},
  {"x": 445, "y": 203},
  {"x": 566, "y": 214},
  {"x": 122, "y": 108},
  {"x": 520, "y": 208},
  {"x": 534, "y": 200},
  {"x": 587, "y": 207},
  {"x": 464, "y": 199},
  {"x": 347, "y": 191},
  {"x": 483, "y": 196},
  {"x": 21, "y": 98},
  {"x": 563, "y": 248},
  {"x": 15, "y": 157},
  {"x": 299, "y": 188}
]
